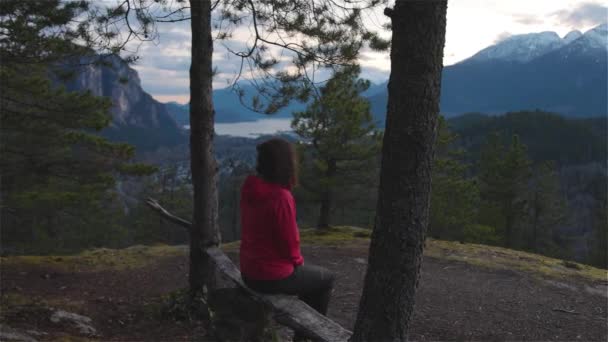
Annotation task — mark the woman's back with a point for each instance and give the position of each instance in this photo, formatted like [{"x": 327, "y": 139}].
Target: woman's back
[{"x": 270, "y": 242}]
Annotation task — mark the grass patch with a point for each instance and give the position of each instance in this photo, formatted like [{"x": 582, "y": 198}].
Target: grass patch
[
  {"x": 337, "y": 235},
  {"x": 12, "y": 302},
  {"x": 101, "y": 259},
  {"x": 334, "y": 235},
  {"x": 475, "y": 254},
  {"x": 502, "y": 258},
  {"x": 479, "y": 255}
]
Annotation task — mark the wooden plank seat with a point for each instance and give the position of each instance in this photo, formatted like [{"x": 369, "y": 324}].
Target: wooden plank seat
[{"x": 287, "y": 310}]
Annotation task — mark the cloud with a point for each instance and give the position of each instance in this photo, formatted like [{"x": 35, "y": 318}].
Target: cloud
[
  {"x": 502, "y": 36},
  {"x": 164, "y": 64},
  {"x": 167, "y": 62},
  {"x": 163, "y": 82},
  {"x": 586, "y": 14},
  {"x": 374, "y": 74},
  {"x": 527, "y": 19}
]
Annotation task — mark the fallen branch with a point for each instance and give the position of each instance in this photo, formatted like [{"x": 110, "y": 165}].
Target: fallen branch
[
  {"x": 572, "y": 312},
  {"x": 152, "y": 203}
]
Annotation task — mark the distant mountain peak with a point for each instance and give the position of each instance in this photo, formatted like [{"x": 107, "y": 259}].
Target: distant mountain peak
[
  {"x": 597, "y": 37},
  {"x": 572, "y": 36},
  {"x": 521, "y": 47},
  {"x": 526, "y": 47}
]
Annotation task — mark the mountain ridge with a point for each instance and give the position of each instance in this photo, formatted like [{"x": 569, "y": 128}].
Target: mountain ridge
[
  {"x": 136, "y": 115},
  {"x": 566, "y": 75},
  {"x": 526, "y": 47},
  {"x": 570, "y": 80}
]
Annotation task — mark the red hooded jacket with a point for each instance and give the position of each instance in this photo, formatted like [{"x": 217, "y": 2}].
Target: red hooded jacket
[{"x": 270, "y": 241}]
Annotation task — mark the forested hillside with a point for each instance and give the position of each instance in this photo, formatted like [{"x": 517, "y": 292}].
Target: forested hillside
[
  {"x": 549, "y": 136},
  {"x": 554, "y": 171}
]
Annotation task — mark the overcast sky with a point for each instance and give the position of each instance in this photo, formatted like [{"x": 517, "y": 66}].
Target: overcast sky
[{"x": 471, "y": 26}]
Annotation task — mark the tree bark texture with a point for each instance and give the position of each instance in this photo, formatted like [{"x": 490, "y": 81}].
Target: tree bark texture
[
  {"x": 402, "y": 211},
  {"x": 204, "y": 231}
]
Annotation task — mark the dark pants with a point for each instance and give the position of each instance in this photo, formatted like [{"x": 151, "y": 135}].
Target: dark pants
[{"x": 312, "y": 284}]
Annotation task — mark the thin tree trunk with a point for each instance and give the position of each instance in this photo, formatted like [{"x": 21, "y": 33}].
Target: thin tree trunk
[
  {"x": 402, "y": 213},
  {"x": 327, "y": 197},
  {"x": 509, "y": 225},
  {"x": 535, "y": 224},
  {"x": 204, "y": 230}
]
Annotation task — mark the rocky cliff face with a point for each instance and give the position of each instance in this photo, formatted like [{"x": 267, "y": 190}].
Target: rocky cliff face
[{"x": 137, "y": 118}]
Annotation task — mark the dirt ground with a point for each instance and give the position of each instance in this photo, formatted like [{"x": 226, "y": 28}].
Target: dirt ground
[{"x": 455, "y": 301}]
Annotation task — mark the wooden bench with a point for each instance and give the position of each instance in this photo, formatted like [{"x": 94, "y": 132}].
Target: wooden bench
[{"x": 286, "y": 310}]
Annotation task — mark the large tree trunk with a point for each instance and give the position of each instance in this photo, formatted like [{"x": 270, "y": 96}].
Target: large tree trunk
[
  {"x": 204, "y": 230},
  {"x": 402, "y": 212},
  {"x": 327, "y": 196}
]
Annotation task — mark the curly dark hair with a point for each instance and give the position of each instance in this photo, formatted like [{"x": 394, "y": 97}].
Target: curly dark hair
[{"x": 277, "y": 162}]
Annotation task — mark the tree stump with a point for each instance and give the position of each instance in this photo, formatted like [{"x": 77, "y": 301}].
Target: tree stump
[{"x": 236, "y": 316}]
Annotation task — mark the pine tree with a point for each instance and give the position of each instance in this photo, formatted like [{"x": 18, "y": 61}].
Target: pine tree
[
  {"x": 55, "y": 167},
  {"x": 343, "y": 138},
  {"x": 547, "y": 209},
  {"x": 516, "y": 174},
  {"x": 454, "y": 198},
  {"x": 598, "y": 237},
  {"x": 503, "y": 180}
]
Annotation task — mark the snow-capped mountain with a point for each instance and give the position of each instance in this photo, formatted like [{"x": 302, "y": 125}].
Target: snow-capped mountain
[
  {"x": 572, "y": 36},
  {"x": 535, "y": 71},
  {"x": 521, "y": 48},
  {"x": 526, "y": 47},
  {"x": 566, "y": 75},
  {"x": 598, "y": 37}
]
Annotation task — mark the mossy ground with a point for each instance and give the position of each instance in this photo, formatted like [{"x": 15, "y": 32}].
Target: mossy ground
[
  {"x": 508, "y": 259},
  {"x": 479, "y": 255},
  {"x": 334, "y": 235},
  {"x": 101, "y": 259},
  {"x": 337, "y": 235},
  {"x": 491, "y": 257}
]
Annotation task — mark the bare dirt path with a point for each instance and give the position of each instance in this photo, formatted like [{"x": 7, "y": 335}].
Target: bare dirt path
[
  {"x": 455, "y": 301},
  {"x": 458, "y": 301}
]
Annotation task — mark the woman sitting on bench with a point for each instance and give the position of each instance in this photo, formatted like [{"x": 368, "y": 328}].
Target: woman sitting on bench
[{"x": 270, "y": 242}]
